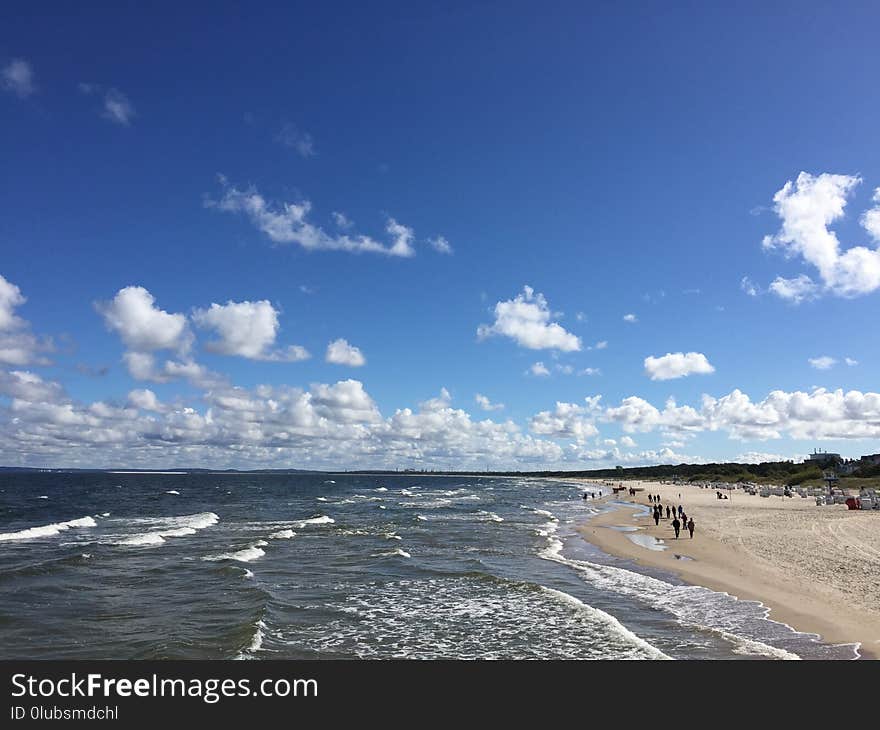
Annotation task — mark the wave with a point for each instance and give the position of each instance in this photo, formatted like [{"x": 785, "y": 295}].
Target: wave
[
  {"x": 282, "y": 535},
  {"x": 245, "y": 555},
  {"x": 172, "y": 491},
  {"x": 727, "y": 616},
  {"x": 256, "y": 642},
  {"x": 382, "y": 489},
  {"x": 171, "y": 527},
  {"x": 47, "y": 530},
  {"x": 322, "y": 520},
  {"x": 610, "y": 622},
  {"x": 398, "y": 552}
]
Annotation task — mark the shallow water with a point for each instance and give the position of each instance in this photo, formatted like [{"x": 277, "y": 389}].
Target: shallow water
[{"x": 317, "y": 566}]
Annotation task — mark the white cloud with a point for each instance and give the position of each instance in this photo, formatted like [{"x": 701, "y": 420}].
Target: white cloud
[
  {"x": 628, "y": 441},
  {"x": 567, "y": 420},
  {"x": 10, "y": 298},
  {"x": 871, "y": 217},
  {"x": 825, "y": 362},
  {"x": 288, "y": 223},
  {"x": 748, "y": 286},
  {"x": 247, "y": 329},
  {"x": 486, "y": 404},
  {"x": 441, "y": 245},
  {"x": 677, "y": 365},
  {"x": 293, "y": 138},
  {"x": 819, "y": 414},
  {"x": 580, "y": 317},
  {"x": 342, "y": 221},
  {"x": 795, "y": 290},
  {"x": 590, "y": 371},
  {"x": 759, "y": 457},
  {"x": 146, "y": 400},
  {"x": 18, "y": 346},
  {"x": 17, "y": 76},
  {"x": 807, "y": 207},
  {"x": 601, "y": 344},
  {"x": 526, "y": 320},
  {"x": 630, "y": 318},
  {"x": 850, "y": 361},
  {"x": 142, "y": 326},
  {"x": 538, "y": 369},
  {"x": 117, "y": 108},
  {"x": 339, "y": 352}
]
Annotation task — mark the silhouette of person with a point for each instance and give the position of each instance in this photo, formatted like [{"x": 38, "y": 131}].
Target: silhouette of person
[
  {"x": 667, "y": 511},
  {"x": 690, "y": 526},
  {"x": 656, "y": 515},
  {"x": 676, "y": 525}
]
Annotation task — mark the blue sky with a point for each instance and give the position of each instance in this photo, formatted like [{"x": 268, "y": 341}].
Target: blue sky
[{"x": 615, "y": 160}]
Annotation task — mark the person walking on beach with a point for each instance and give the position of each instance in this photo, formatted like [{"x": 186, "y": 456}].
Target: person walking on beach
[
  {"x": 656, "y": 515},
  {"x": 676, "y": 525},
  {"x": 667, "y": 511},
  {"x": 690, "y": 526}
]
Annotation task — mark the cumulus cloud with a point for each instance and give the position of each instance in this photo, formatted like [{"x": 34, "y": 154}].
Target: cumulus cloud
[
  {"x": 851, "y": 362},
  {"x": 539, "y": 370},
  {"x": 567, "y": 421},
  {"x": 748, "y": 286},
  {"x": 824, "y": 362},
  {"x": 806, "y": 208},
  {"x": 590, "y": 371},
  {"x": 796, "y": 290},
  {"x": 486, "y": 404},
  {"x": 146, "y": 400},
  {"x": 17, "y": 76},
  {"x": 288, "y": 223},
  {"x": 292, "y": 137},
  {"x": 440, "y": 244},
  {"x": 818, "y": 414},
  {"x": 141, "y": 325},
  {"x": 324, "y": 426},
  {"x": 630, "y": 318},
  {"x": 18, "y": 346},
  {"x": 526, "y": 320},
  {"x": 246, "y": 329},
  {"x": 340, "y": 352},
  {"x": 677, "y": 365}
]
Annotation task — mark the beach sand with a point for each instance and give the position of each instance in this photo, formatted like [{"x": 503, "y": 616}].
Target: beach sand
[{"x": 816, "y": 568}]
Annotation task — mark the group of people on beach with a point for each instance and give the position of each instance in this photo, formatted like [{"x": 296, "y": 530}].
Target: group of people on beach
[{"x": 679, "y": 517}]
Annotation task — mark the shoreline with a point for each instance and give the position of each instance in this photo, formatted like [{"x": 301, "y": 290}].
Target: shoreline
[{"x": 728, "y": 563}]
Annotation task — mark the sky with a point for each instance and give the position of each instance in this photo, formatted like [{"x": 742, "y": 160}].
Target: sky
[{"x": 438, "y": 235}]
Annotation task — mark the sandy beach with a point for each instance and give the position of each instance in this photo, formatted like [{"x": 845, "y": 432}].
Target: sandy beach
[{"x": 816, "y": 568}]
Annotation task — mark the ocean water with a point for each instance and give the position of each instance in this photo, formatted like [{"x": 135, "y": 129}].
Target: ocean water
[{"x": 234, "y": 566}]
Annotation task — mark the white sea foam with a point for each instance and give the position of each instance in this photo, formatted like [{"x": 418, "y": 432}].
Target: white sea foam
[
  {"x": 392, "y": 536},
  {"x": 256, "y": 642},
  {"x": 727, "y": 616},
  {"x": 491, "y": 516},
  {"x": 163, "y": 527},
  {"x": 172, "y": 491},
  {"x": 382, "y": 506},
  {"x": 42, "y": 496},
  {"x": 282, "y": 535},
  {"x": 248, "y": 574},
  {"x": 47, "y": 530},
  {"x": 330, "y": 481},
  {"x": 245, "y": 555},
  {"x": 398, "y": 552},
  {"x": 610, "y": 621},
  {"x": 105, "y": 514},
  {"x": 407, "y": 493},
  {"x": 322, "y": 499},
  {"x": 382, "y": 489},
  {"x": 322, "y": 520},
  {"x": 421, "y": 518}
]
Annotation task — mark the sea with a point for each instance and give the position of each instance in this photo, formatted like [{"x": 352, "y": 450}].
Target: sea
[{"x": 341, "y": 566}]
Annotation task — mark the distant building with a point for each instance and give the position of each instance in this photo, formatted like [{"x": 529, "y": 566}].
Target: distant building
[
  {"x": 870, "y": 459},
  {"x": 823, "y": 456}
]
